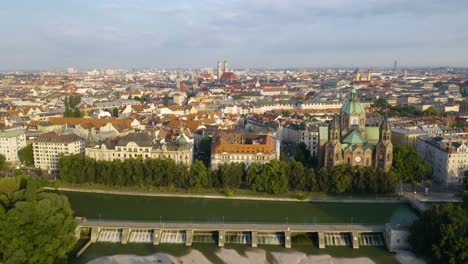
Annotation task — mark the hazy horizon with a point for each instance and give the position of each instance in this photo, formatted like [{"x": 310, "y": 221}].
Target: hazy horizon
[{"x": 255, "y": 34}]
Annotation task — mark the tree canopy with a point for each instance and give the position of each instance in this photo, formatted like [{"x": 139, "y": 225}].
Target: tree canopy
[
  {"x": 26, "y": 155},
  {"x": 441, "y": 234},
  {"x": 409, "y": 165},
  {"x": 35, "y": 226},
  {"x": 71, "y": 106},
  {"x": 273, "y": 177},
  {"x": 3, "y": 163}
]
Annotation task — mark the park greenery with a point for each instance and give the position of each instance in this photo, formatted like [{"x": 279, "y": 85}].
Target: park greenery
[
  {"x": 441, "y": 234},
  {"x": 409, "y": 165},
  {"x": 274, "y": 177},
  {"x": 35, "y": 226},
  {"x": 71, "y": 106},
  {"x": 26, "y": 155}
]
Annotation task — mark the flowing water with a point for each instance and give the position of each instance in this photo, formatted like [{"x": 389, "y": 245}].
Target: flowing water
[
  {"x": 205, "y": 237},
  {"x": 371, "y": 239},
  {"x": 141, "y": 236},
  {"x": 173, "y": 237},
  {"x": 337, "y": 239},
  {"x": 110, "y": 235},
  {"x": 270, "y": 238},
  {"x": 238, "y": 238}
]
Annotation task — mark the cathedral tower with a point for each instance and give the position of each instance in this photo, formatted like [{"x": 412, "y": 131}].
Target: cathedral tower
[
  {"x": 333, "y": 153},
  {"x": 219, "y": 70},
  {"x": 384, "y": 148}
]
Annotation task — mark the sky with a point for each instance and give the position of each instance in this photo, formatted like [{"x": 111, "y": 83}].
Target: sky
[{"x": 89, "y": 34}]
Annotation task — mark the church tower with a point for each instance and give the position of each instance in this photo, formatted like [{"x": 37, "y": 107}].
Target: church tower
[
  {"x": 353, "y": 115},
  {"x": 225, "y": 67},
  {"x": 220, "y": 70},
  {"x": 333, "y": 154},
  {"x": 384, "y": 148}
]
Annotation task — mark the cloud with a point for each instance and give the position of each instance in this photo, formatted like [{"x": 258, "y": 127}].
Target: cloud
[{"x": 187, "y": 32}]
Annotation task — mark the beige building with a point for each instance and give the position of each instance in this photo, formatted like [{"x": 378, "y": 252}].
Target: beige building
[
  {"x": 406, "y": 137},
  {"x": 302, "y": 133},
  {"x": 47, "y": 147},
  {"x": 245, "y": 148},
  {"x": 12, "y": 140},
  {"x": 447, "y": 155},
  {"x": 141, "y": 145}
]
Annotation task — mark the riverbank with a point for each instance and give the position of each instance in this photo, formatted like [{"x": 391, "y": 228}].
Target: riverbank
[{"x": 330, "y": 199}]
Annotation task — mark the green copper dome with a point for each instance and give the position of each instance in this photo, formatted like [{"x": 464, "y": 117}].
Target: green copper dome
[{"x": 352, "y": 106}]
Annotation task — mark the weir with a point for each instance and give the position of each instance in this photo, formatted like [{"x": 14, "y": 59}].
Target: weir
[{"x": 353, "y": 235}]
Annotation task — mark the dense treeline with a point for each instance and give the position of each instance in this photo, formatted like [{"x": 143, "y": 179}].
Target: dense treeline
[{"x": 273, "y": 177}]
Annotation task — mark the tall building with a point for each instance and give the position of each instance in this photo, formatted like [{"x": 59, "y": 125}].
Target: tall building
[
  {"x": 219, "y": 70},
  {"x": 47, "y": 147},
  {"x": 448, "y": 156},
  {"x": 348, "y": 140},
  {"x": 12, "y": 140},
  {"x": 225, "y": 67}
]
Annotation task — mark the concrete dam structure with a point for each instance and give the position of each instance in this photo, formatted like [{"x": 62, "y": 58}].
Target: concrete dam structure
[{"x": 321, "y": 235}]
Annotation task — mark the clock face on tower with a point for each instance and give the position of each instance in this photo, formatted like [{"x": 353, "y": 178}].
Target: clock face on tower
[
  {"x": 354, "y": 120},
  {"x": 357, "y": 159}
]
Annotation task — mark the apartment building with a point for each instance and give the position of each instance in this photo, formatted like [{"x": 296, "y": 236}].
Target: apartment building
[
  {"x": 47, "y": 147},
  {"x": 12, "y": 140},
  {"x": 447, "y": 155},
  {"x": 302, "y": 133},
  {"x": 142, "y": 145}
]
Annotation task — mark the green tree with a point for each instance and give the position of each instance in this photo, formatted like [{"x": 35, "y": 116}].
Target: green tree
[
  {"x": 115, "y": 112},
  {"x": 231, "y": 174},
  {"x": 296, "y": 175},
  {"x": 311, "y": 181},
  {"x": 441, "y": 233},
  {"x": 254, "y": 178},
  {"x": 274, "y": 176},
  {"x": 3, "y": 163},
  {"x": 166, "y": 100},
  {"x": 199, "y": 175},
  {"x": 35, "y": 226},
  {"x": 409, "y": 165},
  {"x": 381, "y": 102},
  {"x": 431, "y": 111},
  {"x": 26, "y": 155}
]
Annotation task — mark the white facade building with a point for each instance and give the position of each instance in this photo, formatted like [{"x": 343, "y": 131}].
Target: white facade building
[
  {"x": 448, "y": 157},
  {"x": 12, "y": 140},
  {"x": 48, "y": 146}
]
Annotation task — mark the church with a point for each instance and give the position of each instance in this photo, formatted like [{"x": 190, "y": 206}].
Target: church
[{"x": 347, "y": 139}]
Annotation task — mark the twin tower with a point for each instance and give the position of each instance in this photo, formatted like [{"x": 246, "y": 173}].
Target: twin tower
[{"x": 222, "y": 68}]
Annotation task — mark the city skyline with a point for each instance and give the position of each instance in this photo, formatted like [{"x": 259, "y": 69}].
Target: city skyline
[{"x": 249, "y": 34}]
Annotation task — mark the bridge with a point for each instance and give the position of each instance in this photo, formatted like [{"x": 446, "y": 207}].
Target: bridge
[{"x": 353, "y": 235}]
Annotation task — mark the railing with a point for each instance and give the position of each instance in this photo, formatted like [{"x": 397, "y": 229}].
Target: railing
[{"x": 205, "y": 225}]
